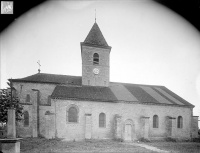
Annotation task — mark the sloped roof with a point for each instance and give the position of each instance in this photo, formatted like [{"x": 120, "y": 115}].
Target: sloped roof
[
  {"x": 95, "y": 37},
  {"x": 117, "y": 92},
  {"x": 51, "y": 78},
  {"x": 70, "y": 87},
  {"x": 90, "y": 93}
]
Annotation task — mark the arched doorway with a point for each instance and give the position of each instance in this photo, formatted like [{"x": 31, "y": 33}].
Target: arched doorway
[{"x": 128, "y": 130}]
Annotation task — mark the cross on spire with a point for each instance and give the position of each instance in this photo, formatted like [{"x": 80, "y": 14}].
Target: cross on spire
[{"x": 39, "y": 66}]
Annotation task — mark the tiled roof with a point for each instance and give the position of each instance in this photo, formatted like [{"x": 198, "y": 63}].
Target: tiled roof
[
  {"x": 95, "y": 37},
  {"x": 51, "y": 78},
  {"x": 70, "y": 87},
  {"x": 90, "y": 93},
  {"x": 121, "y": 92}
]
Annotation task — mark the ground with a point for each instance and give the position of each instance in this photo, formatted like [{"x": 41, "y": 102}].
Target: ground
[
  {"x": 178, "y": 147},
  {"x": 35, "y": 145}
]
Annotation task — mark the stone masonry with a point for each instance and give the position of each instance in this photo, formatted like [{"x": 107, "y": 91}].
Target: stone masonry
[{"x": 102, "y": 79}]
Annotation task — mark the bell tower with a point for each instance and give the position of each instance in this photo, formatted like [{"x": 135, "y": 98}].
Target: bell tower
[{"x": 95, "y": 54}]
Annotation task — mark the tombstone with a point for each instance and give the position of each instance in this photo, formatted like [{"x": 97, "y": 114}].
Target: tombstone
[{"x": 10, "y": 144}]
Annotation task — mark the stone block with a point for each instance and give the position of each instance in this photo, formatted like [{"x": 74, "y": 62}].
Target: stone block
[
  {"x": 11, "y": 125},
  {"x": 10, "y": 145}
]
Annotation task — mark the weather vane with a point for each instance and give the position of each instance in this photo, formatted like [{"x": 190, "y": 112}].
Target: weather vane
[{"x": 39, "y": 66}]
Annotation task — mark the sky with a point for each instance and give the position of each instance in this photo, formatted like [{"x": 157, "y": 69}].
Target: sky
[{"x": 150, "y": 43}]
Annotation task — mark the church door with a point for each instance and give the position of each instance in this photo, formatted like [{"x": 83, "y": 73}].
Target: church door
[{"x": 128, "y": 132}]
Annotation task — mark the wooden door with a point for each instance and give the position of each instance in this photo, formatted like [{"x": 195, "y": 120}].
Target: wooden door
[{"x": 128, "y": 132}]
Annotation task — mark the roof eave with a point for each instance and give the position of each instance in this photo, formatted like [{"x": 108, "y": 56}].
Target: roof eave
[
  {"x": 92, "y": 45},
  {"x": 28, "y": 81},
  {"x": 116, "y": 101}
]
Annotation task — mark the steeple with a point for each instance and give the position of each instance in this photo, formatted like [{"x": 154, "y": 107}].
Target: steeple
[
  {"x": 95, "y": 37},
  {"x": 95, "y": 54}
]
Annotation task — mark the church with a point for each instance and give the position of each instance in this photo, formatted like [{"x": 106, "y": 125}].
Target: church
[{"x": 91, "y": 107}]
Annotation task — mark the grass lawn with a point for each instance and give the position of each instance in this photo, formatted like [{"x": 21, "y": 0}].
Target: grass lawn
[
  {"x": 36, "y": 145},
  {"x": 179, "y": 147}
]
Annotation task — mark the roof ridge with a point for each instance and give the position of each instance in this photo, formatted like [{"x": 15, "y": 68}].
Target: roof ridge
[
  {"x": 73, "y": 76},
  {"x": 51, "y": 78},
  {"x": 124, "y": 83},
  {"x": 47, "y": 74}
]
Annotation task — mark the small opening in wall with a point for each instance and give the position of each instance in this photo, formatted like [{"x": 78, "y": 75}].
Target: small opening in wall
[
  {"x": 96, "y": 59},
  {"x": 26, "y": 119},
  {"x": 180, "y": 122},
  {"x": 102, "y": 120}
]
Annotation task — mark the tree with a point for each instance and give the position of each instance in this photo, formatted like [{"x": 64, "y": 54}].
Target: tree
[{"x": 8, "y": 101}]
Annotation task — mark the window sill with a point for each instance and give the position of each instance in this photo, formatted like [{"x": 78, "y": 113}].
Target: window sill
[
  {"x": 72, "y": 122},
  {"x": 25, "y": 103}
]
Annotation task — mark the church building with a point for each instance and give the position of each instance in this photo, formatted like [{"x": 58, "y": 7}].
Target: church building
[{"x": 92, "y": 107}]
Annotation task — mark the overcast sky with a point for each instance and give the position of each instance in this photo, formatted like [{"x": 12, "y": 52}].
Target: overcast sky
[{"x": 150, "y": 44}]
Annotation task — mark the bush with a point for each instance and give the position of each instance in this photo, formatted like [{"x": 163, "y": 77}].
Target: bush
[
  {"x": 195, "y": 140},
  {"x": 118, "y": 139},
  {"x": 143, "y": 140},
  {"x": 168, "y": 139}
]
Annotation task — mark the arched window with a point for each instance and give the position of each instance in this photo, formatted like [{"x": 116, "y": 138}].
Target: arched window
[
  {"x": 180, "y": 122},
  {"x": 28, "y": 99},
  {"x": 95, "y": 58},
  {"x": 26, "y": 119},
  {"x": 102, "y": 120},
  {"x": 73, "y": 114},
  {"x": 155, "y": 121}
]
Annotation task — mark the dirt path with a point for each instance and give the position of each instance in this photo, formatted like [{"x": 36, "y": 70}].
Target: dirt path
[{"x": 148, "y": 147}]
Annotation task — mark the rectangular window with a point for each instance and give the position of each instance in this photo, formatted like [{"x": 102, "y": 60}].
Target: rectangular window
[
  {"x": 180, "y": 122},
  {"x": 26, "y": 119},
  {"x": 155, "y": 121},
  {"x": 102, "y": 120}
]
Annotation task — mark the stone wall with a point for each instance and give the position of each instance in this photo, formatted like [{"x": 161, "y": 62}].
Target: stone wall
[
  {"x": 195, "y": 127},
  {"x": 102, "y": 79},
  {"x": 56, "y": 125},
  {"x": 45, "y": 90},
  {"x": 26, "y": 88},
  {"x": 127, "y": 111},
  {"x": 25, "y": 131}
]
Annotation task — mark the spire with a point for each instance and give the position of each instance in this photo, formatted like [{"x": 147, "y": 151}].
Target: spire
[
  {"x": 39, "y": 66},
  {"x": 95, "y": 15},
  {"x": 95, "y": 37}
]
